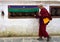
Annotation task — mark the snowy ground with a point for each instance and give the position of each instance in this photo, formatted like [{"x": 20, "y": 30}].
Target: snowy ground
[{"x": 28, "y": 39}]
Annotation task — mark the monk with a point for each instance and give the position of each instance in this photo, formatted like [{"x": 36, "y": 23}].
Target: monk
[{"x": 44, "y": 19}]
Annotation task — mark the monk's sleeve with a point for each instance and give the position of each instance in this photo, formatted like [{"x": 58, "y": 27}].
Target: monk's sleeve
[{"x": 37, "y": 16}]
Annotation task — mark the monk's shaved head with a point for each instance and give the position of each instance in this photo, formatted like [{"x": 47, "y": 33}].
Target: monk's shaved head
[{"x": 40, "y": 6}]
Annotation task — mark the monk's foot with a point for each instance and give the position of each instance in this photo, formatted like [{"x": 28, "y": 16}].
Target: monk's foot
[
  {"x": 48, "y": 38},
  {"x": 39, "y": 39}
]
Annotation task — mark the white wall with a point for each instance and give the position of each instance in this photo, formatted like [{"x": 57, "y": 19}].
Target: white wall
[
  {"x": 20, "y": 26},
  {"x": 23, "y": 26},
  {"x": 30, "y": 0}
]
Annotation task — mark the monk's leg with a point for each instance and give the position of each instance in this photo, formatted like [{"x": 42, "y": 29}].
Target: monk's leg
[
  {"x": 40, "y": 31},
  {"x": 44, "y": 32}
]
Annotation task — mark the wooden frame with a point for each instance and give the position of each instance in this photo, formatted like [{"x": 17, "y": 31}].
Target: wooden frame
[{"x": 55, "y": 11}]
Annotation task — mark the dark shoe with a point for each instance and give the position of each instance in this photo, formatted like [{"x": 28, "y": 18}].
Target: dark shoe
[
  {"x": 39, "y": 39},
  {"x": 48, "y": 38}
]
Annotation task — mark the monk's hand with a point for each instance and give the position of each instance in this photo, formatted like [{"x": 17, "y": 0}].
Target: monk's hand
[
  {"x": 39, "y": 14},
  {"x": 34, "y": 15}
]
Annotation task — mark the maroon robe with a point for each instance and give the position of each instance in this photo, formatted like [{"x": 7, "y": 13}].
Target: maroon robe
[
  {"x": 42, "y": 27},
  {"x": 44, "y": 13}
]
